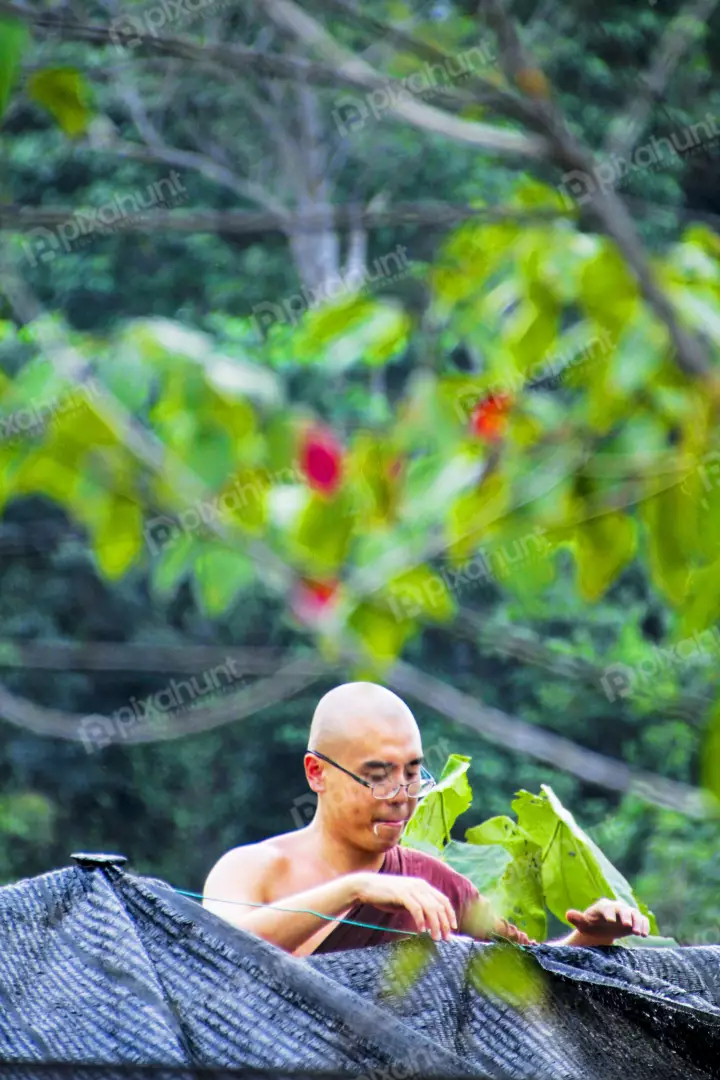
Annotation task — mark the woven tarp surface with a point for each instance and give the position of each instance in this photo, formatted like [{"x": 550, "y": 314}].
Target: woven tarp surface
[{"x": 99, "y": 966}]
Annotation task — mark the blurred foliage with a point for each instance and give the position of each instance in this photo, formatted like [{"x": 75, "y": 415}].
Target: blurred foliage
[{"x": 504, "y": 394}]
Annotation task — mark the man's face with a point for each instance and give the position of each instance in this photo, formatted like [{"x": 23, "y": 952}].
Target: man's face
[{"x": 376, "y": 754}]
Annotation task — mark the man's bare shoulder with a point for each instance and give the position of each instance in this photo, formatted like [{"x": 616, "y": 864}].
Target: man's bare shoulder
[{"x": 252, "y": 864}]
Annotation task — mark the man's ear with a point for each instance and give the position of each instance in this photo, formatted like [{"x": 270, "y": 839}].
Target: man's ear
[{"x": 315, "y": 773}]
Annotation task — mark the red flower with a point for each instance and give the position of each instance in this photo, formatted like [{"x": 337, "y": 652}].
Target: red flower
[
  {"x": 321, "y": 460},
  {"x": 488, "y": 419},
  {"x": 310, "y": 598}
]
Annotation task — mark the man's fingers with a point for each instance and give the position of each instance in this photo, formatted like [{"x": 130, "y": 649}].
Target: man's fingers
[
  {"x": 626, "y": 917},
  {"x": 452, "y": 917},
  {"x": 610, "y": 912},
  {"x": 418, "y": 915}
]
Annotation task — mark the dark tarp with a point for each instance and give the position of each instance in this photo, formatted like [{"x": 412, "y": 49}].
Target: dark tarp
[{"x": 100, "y": 966}]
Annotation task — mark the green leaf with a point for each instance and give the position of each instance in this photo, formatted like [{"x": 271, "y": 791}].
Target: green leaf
[
  {"x": 665, "y": 516},
  {"x": 575, "y": 872},
  {"x": 173, "y": 564},
  {"x": 118, "y": 537},
  {"x": 420, "y": 592},
  {"x": 65, "y": 94},
  {"x": 603, "y": 545},
  {"x": 438, "y": 811},
  {"x": 324, "y": 531},
  {"x": 381, "y": 634},
  {"x": 508, "y": 973},
  {"x": 518, "y": 893},
  {"x": 219, "y": 575},
  {"x": 608, "y": 291},
  {"x": 483, "y": 865},
  {"x": 408, "y": 960},
  {"x": 702, "y": 605},
  {"x": 14, "y": 40}
]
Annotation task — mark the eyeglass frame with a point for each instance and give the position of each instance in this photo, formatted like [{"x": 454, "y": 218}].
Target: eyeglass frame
[{"x": 367, "y": 784}]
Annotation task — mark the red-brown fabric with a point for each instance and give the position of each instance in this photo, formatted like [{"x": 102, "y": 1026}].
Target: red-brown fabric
[{"x": 409, "y": 863}]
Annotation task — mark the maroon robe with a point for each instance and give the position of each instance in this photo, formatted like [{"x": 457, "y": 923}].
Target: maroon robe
[{"x": 409, "y": 863}]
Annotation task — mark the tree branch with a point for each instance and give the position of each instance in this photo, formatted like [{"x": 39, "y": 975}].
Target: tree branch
[{"x": 348, "y": 71}]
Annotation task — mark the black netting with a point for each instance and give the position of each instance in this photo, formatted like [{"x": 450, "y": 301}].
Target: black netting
[{"x": 103, "y": 974}]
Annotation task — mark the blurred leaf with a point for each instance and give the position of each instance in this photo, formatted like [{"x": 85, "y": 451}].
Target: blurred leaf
[
  {"x": 172, "y": 565},
  {"x": 409, "y": 959},
  {"x": 604, "y": 545},
  {"x": 220, "y": 574},
  {"x": 14, "y": 40},
  {"x": 505, "y": 972},
  {"x": 382, "y": 635},
  {"x": 324, "y": 531},
  {"x": 65, "y": 94},
  {"x": 118, "y": 536}
]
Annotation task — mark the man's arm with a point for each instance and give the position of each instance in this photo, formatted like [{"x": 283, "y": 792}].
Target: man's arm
[{"x": 242, "y": 875}]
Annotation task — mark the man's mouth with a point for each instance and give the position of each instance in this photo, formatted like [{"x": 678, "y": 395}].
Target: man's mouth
[{"x": 391, "y": 821}]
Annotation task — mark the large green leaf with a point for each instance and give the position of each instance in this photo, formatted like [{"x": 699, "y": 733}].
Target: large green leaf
[
  {"x": 14, "y": 39},
  {"x": 517, "y": 895},
  {"x": 484, "y": 865},
  {"x": 438, "y": 811},
  {"x": 575, "y": 872}
]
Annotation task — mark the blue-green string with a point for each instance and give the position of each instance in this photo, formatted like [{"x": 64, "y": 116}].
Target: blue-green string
[{"x": 300, "y": 911}]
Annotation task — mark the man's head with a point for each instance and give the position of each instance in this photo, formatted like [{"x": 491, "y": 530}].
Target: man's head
[{"x": 371, "y": 732}]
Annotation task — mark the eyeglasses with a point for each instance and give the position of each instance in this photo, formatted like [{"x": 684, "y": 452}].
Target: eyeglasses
[{"x": 387, "y": 789}]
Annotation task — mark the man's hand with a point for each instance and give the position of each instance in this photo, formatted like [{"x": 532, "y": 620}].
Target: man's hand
[
  {"x": 604, "y": 922},
  {"x": 430, "y": 908}
]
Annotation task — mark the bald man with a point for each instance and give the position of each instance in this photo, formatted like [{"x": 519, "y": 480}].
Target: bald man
[{"x": 364, "y": 761}]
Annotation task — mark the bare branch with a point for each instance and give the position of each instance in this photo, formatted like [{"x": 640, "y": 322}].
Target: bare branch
[{"x": 348, "y": 71}]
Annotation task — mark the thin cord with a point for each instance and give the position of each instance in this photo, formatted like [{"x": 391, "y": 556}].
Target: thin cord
[{"x": 300, "y": 911}]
